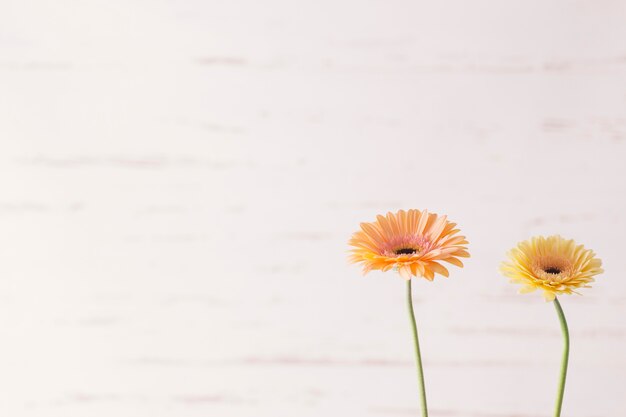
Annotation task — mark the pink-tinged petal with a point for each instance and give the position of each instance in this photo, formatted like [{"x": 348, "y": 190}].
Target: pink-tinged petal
[
  {"x": 382, "y": 222},
  {"x": 392, "y": 220},
  {"x": 405, "y": 271},
  {"x": 373, "y": 232},
  {"x": 437, "y": 228},
  {"x": 439, "y": 269},
  {"x": 421, "y": 225},
  {"x": 428, "y": 274},
  {"x": 454, "y": 261}
]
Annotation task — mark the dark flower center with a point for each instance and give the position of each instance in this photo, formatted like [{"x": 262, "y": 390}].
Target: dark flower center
[
  {"x": 405, "y": 251},
  {"x": 552, "y": 270}
]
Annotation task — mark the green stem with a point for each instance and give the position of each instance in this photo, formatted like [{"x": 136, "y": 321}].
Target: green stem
[
  {"x": 418, "y": 356},
  {"x": 563, "y": 375}
]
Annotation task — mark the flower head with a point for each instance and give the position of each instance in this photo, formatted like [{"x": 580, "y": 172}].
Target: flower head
[
  {"x": 412, "y": 241},
  {"x": 552, "y": 264}
]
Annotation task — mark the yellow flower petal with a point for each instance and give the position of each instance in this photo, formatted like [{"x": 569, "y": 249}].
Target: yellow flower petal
[
  {"x": 552, "y": 264},
  {"x": 527, "y": 289},
  {"x": 549, "y": 296}
]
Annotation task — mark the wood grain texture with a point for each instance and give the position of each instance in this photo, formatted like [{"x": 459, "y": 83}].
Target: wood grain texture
[{"x": 178, "y": 181}]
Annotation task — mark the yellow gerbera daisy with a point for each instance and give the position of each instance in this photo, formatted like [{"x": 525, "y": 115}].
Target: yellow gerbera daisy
[
  {"x": 413, "y": 241},
  {"x": 552, "y": 264}
]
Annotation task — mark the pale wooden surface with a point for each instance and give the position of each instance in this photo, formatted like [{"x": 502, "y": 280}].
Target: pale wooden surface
[{"x": 178, "y": 181}]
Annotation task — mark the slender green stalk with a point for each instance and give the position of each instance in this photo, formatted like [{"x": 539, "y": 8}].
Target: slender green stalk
[
  {"x": 418, "y": 356},
  {"x": 565, "y": 360}
]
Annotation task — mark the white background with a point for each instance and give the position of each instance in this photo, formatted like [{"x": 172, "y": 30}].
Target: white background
[{"x": 178, "y": 181}]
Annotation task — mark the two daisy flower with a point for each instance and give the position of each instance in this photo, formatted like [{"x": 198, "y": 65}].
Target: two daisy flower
[{"x": 417, "y": 244}]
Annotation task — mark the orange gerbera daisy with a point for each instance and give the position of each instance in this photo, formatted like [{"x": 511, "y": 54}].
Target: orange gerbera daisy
[{"x": 412, "y": 241}]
